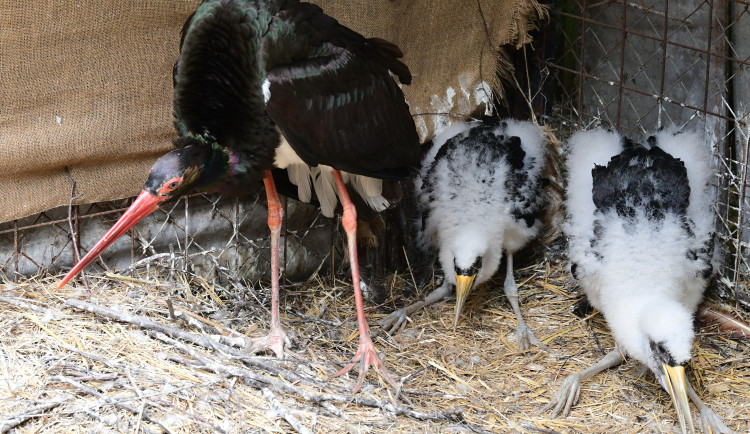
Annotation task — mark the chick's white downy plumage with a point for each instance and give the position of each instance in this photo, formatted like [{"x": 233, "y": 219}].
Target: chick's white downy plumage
[
  {"x": 480, "y": 193},
  {"x": 640, "y": 228}
]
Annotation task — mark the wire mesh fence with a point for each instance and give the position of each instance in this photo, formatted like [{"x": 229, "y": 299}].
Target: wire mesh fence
[
  {"x": 641, "y": 65},
  {"x": 224, "y": 241},
  {"x": 201, "y": 234}
]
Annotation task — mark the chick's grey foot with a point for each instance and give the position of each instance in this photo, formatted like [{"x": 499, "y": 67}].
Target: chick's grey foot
[
  {"x": 710, "y": 422},
  {"x": 525, "y": 338},
  {"x": 565, "y": 398},
  {"x": 396, "y": 321}
]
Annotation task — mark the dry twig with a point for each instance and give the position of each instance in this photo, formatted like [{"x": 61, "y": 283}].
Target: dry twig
[
  {"x": 210, "y": 342},
  {"x": 280, "y": 410},
  {"x": 108, "y": 399},
  {"x": 260, "y": 381},
  {"x": 73, "y": 231},
  {"x": 30, "y": 306},
  {"x": 11, "y": 422}
]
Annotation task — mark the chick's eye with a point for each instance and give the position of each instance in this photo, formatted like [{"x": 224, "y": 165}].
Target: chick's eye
[{"x": 172, "y": 184}]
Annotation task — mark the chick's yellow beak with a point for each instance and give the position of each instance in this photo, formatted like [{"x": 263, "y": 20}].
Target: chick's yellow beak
[
  {"x": 677, "y": 384},
  {"x": 463, "y": 286}
]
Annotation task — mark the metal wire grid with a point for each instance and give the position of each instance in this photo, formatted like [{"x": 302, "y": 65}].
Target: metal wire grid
[
  {"x": 202, "y": 234},
  {"x": 641, "y": 65}
]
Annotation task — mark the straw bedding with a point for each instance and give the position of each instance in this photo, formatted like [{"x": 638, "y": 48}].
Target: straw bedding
[{"x": 154, "y": 354}]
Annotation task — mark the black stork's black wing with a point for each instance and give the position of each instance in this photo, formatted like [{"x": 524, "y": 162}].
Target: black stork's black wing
[
  {"x": 640, "y": 178},
  {"x": 333, "y": 97},
  {"x": 217, "y": 93}
]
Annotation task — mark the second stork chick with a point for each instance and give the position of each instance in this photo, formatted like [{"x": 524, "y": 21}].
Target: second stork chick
[
  {"x": 640, "y": 226},
  {"x": 480, "y": 193}
]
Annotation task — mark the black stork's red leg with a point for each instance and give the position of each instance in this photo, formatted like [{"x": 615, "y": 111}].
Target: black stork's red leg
[
  {"x": 276, "y": 340},
  {"x": 366, "y": 354}
]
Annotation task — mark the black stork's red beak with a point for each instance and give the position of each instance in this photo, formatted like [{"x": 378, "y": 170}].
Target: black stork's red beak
[{"x": 144, "y": 204}]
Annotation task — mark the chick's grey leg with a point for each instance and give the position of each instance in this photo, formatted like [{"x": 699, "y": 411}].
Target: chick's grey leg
[
  {"x": 709, "y": 421},
  {"x": 397, "y": 319},
  {"x": 524, "y": 334},
  {"x": 569, "y": 391}
]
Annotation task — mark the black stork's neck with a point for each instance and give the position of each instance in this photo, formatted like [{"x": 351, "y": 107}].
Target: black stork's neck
[{"x": 218, "y": 93}]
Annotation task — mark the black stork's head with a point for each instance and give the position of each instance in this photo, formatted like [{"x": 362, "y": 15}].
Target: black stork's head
[{"x": 173, "y": 175}]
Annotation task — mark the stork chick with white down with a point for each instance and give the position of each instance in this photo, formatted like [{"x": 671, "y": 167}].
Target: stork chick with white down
[
  {"x": 640, "y": 227},
  {"x": 480, "y": 193}
]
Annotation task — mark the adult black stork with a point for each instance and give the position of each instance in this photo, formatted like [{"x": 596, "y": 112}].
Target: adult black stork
[
  {"x": 480, "y": 193},
  {"x": 278, "y": 83},
  {"x": 640, "y": 227}
]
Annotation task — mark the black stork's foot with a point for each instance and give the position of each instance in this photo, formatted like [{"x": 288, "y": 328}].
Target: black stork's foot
[
  {"x": 366, "y": 356},
  {"x": 276, "y": 340}
]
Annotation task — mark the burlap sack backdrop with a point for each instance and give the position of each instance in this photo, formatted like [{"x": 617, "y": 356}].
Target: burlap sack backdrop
[{"x": 87, "y": 84}]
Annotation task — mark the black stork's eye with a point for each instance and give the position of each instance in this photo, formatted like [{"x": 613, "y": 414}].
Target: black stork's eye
[{"x": 170, "y": 185}]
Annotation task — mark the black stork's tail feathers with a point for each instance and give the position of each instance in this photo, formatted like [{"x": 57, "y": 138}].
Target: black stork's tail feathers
[
  {"x": 389, "y": 53},
  {"x": 642, "y": 177},
  {"x": 392, "y": 192}
]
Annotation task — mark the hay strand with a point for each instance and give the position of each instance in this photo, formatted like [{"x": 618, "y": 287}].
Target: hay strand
[{"x": 158, "y": 355}]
